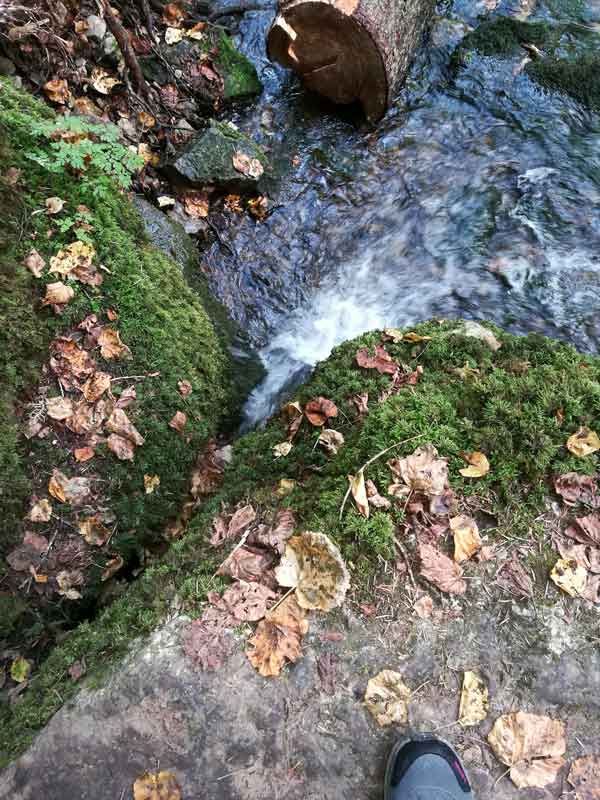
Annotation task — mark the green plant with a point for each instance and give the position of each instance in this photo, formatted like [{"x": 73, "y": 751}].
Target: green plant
[{"x": 86, "y": 149}]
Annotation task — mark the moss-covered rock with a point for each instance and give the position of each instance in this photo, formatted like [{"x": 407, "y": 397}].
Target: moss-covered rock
[
  {"x": 569, "y": 61},
  {"x": 240, "y": 80},
  {"x": 208, "y": 158},
  {"x": 518, "y": 404}
]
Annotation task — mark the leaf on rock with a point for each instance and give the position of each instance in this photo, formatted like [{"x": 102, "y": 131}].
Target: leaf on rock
[
  {"x": 35, "y": 263},
  {"x": 569, "y": 576},
  {"x": 259, "y": 207},
  {"x": 178, "y": 422},
  {"x": 474, "y": 700},
  {"x": 74, "y": 491},
  {"x": 208, "y": 640},
  {"x": 151, "y": 482},
  {"x": 57, "y": 91},
  {"x": 359, "y": 492},
  {"x": 423, "y": 471},
  {"x": 41, "y": 511},
  {"x": 319, "y": 410},
  {"x": 584, "y": 777},
  {"x": 275, "y": 536},
  {"x": 93, "y": 530},
  {"x": 331, "y": 440},
  {"x": 58, "y": 294},
  {"x": 95, "y": 386},
  {"x": 531, "y": 745},
  {"x": 513, "y": 578},
  {"x": 315, "y": 567},
  {"x": 278, "y": 638},
  {"x": 423, "y": 607},
  {"x": 375, "y": 499},
  {"x": 185, "y": 388},
  {"x": 248, "y": 166},
  {"x": 20, "y": 669},
  {"x": 466, "y": 537},
  {"x": 440, "y": 570},
  {"x": 583, "y": 443},
  {"x": 381, "y": 361},
  {"x": 387, "y": 698},
  {"x": 282, "y": 449},
  {"x": 477, "y": 331},
  {"x": 59, "y": 408},
  {"x": 111, "y": 345},
  {"x": 156, "y": 786},
  {"x": 478, "y": 465},
  {"x": 196, "y": 204},
  {"x": 247, "y": 601}
]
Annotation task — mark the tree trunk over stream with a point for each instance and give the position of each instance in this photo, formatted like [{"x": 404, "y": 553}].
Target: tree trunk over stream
[{"x": 350, "y": 50}]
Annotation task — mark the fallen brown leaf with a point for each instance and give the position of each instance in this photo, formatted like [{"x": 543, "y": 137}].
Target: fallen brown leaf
[
  {"x": 40, "y": 511},
  {"x": 474, "y": 700},
  {"x": 583, "y": 443},
  {"x": 569, "y": 576},
  {"x": 35, "y": 263},
  {"x": 478, "y": 465},
  {"x": 361, "y": 403},
  {"x": 178, "y": 422},
  {"x": 512, "y": 577},
  {"x": 531, "y": 745},
  {"x": 111, "y": 567},
  {"x": 374, "y": 498},
  {"x": 151, "y": 482},
  {"x": 247, "y": 564},
  {"x": 93, "y": 530},
  {"x": 185, "y": 388},
  {"x": 315, "y": 567},
  {"x": 319, "y": 410},
  {"x": 102, "y": 81},
  {"x": 466, "y": 537},
  {"x": 331, "y": 440},
  {"x": 575, "y": 488},
  {"x": 423, "y": 607},
  {"x": 196, "y": 204},
  {"x": 70, "y": 363},
  {"x": 156, "y": 786},
  {"x": 585, "y": 529},
  {"x": 122, "y": 448},
  {"x": 278, "y": 638},
  {"x": 59, "y": 408},
  {"x": 68, "y": 581},
  {"x": 276, "y": 535},
  {"x": 95, "y": 386},
  {"x": 54, "y": 205},
  {"x": 120, "y": 424},
  {"x": 29, "y": 553},
  {"x": 208, "y": 641},
  {"x": 111, "y": 345},
  {"x": 584, "y": 777},
  {"x": 282, "y": 449},
  {"x": 226, "y": 527},
  {"x": 259, "y": 207},
  {"x": 422, "y": 471},
  {"x": 359, "y": 493},
  {"x": 381, "y": 361},
  {"x": 246, "y": 601},
  {"x": 441, "y": 570},
  {"x": 387, "y": 698},
  {"x": 57, "y": 91},
  {"x": 248, "y": 166},
  {"x": 58, "y": 294},
  {"x": 74, "y": 491}
]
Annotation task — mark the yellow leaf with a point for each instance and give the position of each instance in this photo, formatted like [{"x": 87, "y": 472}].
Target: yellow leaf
[
  {"x": 20, "y": 669},
  {"x": 145, "y": 119},
  {"x": 569, "y": 576},
  {"x": 174, "y": 35},
  {"x": 57, "y": 91},
  {"x": 584, "y": 442},
  {"x": 282, "y": 449},
  {"x": 146, "y": 153},
  {"x": 413, "y": 337},
  {"x": 156, "y": 786},
  {"x": 479, "y": 465},
  {"x": 102, "y": 81},
  {"x": 466, "y": 537},
  {"x": 286, "y": 485},
  {"x": 151, "y": 482},
  {"x": 359, "y": 492},
  {"x": 474, "y": 700},
  {"x": 387, "y": 698}
]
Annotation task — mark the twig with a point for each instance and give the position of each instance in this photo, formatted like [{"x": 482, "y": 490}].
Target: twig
[
  {"x": 370, "y": 461},
  {"x": 145, "y": 7},
  {"x": 281, "y": 599},
  {"x": 135, "y": 377},
  {"x": 120, "y": 34},
  {"x": 402, "y": 549}
]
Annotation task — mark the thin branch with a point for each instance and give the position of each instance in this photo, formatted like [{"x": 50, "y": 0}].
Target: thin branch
[{"x": 120, "y": 34}]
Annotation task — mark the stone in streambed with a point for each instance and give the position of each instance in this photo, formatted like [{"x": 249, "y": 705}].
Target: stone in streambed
[{"x": 208, "y": 158}]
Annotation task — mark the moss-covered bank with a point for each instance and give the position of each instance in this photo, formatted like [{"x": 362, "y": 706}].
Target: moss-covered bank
[
  {"x": 518, "y": 405},
  {"x": 569, "y": 61},
  {"x": 158, "y": 316}
]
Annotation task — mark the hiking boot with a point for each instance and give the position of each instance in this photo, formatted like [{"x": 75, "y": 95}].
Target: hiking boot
[{"x": 425, "y": 768}]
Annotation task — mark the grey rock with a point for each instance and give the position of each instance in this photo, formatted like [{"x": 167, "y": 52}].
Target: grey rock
[
  {"x": 166, "y": 234},
  {"x": 96, "y": 27},
  {"x": 208, "y": 158}
]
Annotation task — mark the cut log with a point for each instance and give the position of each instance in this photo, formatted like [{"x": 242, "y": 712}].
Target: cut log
[{"x": 350, "y": 50}]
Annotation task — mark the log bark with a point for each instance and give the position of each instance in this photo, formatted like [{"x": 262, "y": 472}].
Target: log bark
[{"x": 350, "y": 50}]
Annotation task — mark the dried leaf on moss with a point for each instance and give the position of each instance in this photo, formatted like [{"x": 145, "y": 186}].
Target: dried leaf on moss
[
  {"x": 585, "y": 530},
  {"x": 74, "y": 491},
  {"x": 40, "y": 511},
  {"x": 422, "y": 471},
  {"x": 375, "y": 499},
  {"x": 531, "y": 745},
  {"x": 93, "y": 530},
  {"x": 35, "y": 263},
  {"x": 282, "y": 449},
  {"x": 247, "y": 564},
  {"x": 178, "y": 422},
  {"x": 151, "y": 482},
  {"x": 478, "y": 465},
  {"x": 315, "y": 567},
  {"x": 319, "y": 410},
  {"x": 185, "y": 388},
  {"x": 474, "y": 700},
  {"x": 57, "y": 91},
  {"x": 20, "y": 669},
  {"x": 111, "y": 567},
  {"x": 58, "y": 294},
  {"x": 359, "y": 492},
  {"x": 387, "y": 698},
  {"x": 583, "y": 443},
  {"x": 575, "y": 488},
  {"x": 381, "y": 361},
  {"x": 331, "y": 440},
  {"x": 95, "y": 386},
  {"x": 59, "y": 408},
  {"x": 111, "y": 345}
]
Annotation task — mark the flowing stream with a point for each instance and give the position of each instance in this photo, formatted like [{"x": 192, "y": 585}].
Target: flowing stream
[{"x": 477, "y": 196}]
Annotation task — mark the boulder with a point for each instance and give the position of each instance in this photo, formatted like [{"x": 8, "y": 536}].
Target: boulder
[
  {"x": 209, "y": 159},
  {"x": 165, "y": 234}
]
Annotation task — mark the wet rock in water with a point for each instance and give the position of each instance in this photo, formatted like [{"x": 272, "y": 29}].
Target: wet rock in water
[
  {"x": 209, "y": 159},
  {"x": 165, "y": 234},
  {"x": 213, "y": 68}
]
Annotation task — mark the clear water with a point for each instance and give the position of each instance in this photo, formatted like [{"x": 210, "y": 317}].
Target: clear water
[{"x": 477, "y": 196}]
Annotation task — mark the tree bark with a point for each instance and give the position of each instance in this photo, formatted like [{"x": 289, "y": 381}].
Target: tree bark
[{"x": 350, "y": 50}]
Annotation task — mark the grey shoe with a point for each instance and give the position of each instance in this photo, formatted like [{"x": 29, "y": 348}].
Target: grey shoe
[{"x": 425, "y": 768}]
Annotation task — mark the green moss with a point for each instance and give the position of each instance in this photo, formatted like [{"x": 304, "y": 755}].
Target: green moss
[
  {"x": 160, "y": 318},
  {"x": 579, "y": 78},
  {"x": 505, "y": 35},
  {"x": 239, "y": 75},
  {"x": 11, "y": 609}
]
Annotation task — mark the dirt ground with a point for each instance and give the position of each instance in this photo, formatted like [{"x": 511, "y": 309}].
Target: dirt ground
[{"x": 233, "y": 734}]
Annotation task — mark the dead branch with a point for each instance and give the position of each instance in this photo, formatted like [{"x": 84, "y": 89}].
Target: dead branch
[{"x": 120, "y": 34}]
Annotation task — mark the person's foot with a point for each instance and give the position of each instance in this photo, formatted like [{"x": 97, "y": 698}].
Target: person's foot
[{"x": 425, "y": 768}]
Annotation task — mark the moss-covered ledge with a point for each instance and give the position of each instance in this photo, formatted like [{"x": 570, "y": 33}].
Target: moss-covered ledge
[
  {"x": 162, "y": 320},
  {"x": 518, "y": 404}
]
